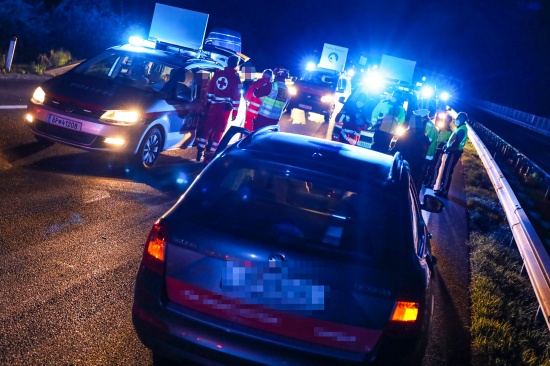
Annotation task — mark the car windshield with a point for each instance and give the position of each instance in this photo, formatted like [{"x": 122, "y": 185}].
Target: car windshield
[
  {"x": 132, "y": 69},
  {"x": 321, "y": 78},
  {"x": 285, "y": 205}
]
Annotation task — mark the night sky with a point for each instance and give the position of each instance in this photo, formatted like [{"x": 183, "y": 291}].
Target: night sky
[{"x": 500, "y": 50}]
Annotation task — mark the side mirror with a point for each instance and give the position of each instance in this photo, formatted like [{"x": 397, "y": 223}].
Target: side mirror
[{"x": 432, "y": 204}]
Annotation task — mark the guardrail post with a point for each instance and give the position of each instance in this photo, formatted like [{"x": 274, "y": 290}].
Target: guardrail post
[{"x": 10, "y": 54}]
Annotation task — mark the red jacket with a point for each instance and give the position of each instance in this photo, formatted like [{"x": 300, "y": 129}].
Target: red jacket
[
  {"x": 225, "y": 87},
  {"x": 255, "y": 102}
]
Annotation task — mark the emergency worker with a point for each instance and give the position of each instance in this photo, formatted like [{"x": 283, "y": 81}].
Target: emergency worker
[
  {"x": 413, "y": 145},
  {"x": 453, "y": 151},
  {"x": 431, "y": 133},
  {"x": 386, "y": 117},
  {"x": 253, "y": 103},
  {"x": 224, "y": 97},
  {"x": 443, "y": 134},
  {"x": 354, "y": 119},
  {"x": 274, "y": 97}
]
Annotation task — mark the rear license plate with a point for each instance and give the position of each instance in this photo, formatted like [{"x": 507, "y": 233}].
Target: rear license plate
[
  {"x": 66, "y": 123},
  {"x": 364, "y": 144},
  {"x": 303, "y": 106}
]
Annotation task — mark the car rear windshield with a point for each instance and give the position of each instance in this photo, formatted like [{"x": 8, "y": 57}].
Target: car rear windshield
[{"x": 285, "y": 205}]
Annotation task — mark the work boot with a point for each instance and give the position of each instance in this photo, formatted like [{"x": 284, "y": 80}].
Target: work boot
[{"x": 200, "y": 154}]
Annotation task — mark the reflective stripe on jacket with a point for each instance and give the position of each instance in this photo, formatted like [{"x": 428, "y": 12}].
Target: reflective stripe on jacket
[
  {"x": 275, "y": 102},
  {"x": 254, "y": 102},
  {"x": 225, "y": 87}
]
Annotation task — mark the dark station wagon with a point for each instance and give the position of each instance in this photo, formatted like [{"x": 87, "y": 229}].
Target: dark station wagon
[{"x": 290, "y": 250}]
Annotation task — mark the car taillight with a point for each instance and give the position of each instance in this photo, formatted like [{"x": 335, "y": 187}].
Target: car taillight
[
  {"x": 404, "y": 320},
  {"x": 405, "y": 312},
  {"x": 153, "y": 254}
]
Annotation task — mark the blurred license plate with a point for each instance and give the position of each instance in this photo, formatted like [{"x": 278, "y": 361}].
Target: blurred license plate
[
  {"x": 303, "y": 106},
  {"x": 66, "y": 123},
  {"x": 364, "y": 144}
]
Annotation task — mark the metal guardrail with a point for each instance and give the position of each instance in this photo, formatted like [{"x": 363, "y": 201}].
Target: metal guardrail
[
  {"x": 531, "y": 121},
  {"x": 536, "y": 260}
]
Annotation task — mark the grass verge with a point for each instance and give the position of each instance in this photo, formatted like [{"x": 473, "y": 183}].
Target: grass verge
[{"x": 504, "y": 327}]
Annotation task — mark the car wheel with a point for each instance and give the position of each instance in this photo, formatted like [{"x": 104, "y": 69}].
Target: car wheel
[{"x": 150, "y": 149}]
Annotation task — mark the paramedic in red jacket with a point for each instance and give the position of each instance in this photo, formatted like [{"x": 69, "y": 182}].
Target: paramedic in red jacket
[
  {"x": 253, "y": 103},
  {"x": 274, "y": 97},
  {"x": 224, "y": 97}
]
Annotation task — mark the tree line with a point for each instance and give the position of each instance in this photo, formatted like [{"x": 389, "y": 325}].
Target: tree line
[{"x": 83, "y": 27}]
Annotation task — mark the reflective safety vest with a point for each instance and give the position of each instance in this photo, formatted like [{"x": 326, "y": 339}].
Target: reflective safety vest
[
  {"x": 431, "y": 132},
  {"x": 453, "y": 137},
  {"x": 274, "y": 103}
]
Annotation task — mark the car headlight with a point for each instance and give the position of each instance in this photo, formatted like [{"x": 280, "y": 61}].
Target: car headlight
[
  {"x": 327, "y": 98},
  {"x": 38, "y": 96},
  {"x": 120, "y": 117},
  {"x": 292, "y": 90}
]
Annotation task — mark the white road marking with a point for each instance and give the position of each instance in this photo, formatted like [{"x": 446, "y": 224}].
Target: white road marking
[{"x": 13, "y": 106}]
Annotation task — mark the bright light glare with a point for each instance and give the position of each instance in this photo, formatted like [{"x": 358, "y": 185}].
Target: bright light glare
[
  {"x": 326, "y": 98},
  {"x": 374, "y": 81},
  {"x": 29, "y": 117},
  {"x": 440, "y": 124},
  {"x": 114, "y": 141},
  {"x": 427, "y": 92},
  {"x": 351, "y": 72},
  {"x": 442, "y": 115},
  {"x": 38, "y": 96},
  {"x": 400, "y": 130},
  {"x": 136, "y": 41},
  {"x": 121, "y": 116},
  {"x": 292, "y": 90},
  {"x": 444, "y": 96},
  {"x": 310, "y": 66}
]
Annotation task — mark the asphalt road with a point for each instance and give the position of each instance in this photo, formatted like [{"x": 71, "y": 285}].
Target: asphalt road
[{"x": 72, "y": 229}]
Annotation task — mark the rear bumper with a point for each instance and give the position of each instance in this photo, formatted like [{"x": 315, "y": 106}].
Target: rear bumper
[{"x": 184, "y": 334}]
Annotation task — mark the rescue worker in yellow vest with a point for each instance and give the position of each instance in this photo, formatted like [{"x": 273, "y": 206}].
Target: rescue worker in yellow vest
[
  {"x": 386, "y": 117},
  {"x": 435, "y": 153},
  {"x": 274, "y": 97},
  {"x": 253, "y": 103},
  {"x": 453, "y": 152}
]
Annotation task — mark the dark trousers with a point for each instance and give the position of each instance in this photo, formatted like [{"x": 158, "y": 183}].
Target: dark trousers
[
  {"x": 432, "y": 169},
  {"x": 450, "y": 163},
  {"x": 381, "y": 141}
]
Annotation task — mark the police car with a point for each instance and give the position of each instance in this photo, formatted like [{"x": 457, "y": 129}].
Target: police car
[{"x": 136, "y": 100}]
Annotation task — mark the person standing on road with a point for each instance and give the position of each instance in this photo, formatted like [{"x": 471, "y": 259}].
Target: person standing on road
[
  {"x": 253, "y": 103},
  {"x": 413, "y": 144},
  {"x": 386, "y": 117},
  {"x": 443, "y": 134},
  {"x": 453, "y": 152},
  {"x": 274, "y": 97},
  {"x": 354, "y": 119},
  {"x": 224, "y": 97}
]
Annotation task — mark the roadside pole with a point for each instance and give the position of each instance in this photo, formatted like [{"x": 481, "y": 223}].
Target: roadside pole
[{"x": 11, "y": 51}]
